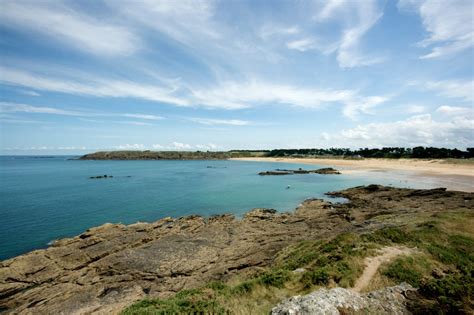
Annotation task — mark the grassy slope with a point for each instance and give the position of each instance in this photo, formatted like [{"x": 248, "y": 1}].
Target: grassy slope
[{"x": 445, "y": 244}]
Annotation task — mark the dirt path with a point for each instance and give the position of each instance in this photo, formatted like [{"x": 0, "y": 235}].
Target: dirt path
[{"x": 372, "y": 264}]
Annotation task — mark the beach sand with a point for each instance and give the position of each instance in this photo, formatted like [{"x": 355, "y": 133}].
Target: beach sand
[{"x": 454, "y": 175}]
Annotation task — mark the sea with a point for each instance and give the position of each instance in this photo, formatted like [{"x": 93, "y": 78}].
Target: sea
[{"x": 44, "y": 198}]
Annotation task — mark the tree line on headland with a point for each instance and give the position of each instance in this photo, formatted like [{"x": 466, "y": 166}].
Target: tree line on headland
[{"x": 386, "y": 152}]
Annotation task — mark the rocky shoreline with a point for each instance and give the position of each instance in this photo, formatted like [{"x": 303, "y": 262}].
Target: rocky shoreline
[{"x": 109, "y": 267}]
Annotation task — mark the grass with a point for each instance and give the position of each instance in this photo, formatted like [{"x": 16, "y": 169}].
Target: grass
[
  {"x": 410, "y": 269},
  {"x": 202, "y": 301},
  {"x": 444, "y": 242}
]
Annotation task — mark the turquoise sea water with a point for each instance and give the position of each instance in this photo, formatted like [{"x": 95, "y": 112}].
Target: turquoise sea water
[{"x": 46, "y": 198}]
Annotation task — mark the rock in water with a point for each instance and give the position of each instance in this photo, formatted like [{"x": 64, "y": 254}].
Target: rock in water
[
  {"x": 324, "y": 171},
  {"x": 390, "y": 300}
]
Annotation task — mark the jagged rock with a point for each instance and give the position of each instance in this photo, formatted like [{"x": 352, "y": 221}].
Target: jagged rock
[
  {"x": 337, "y": 301},
  {"x": 260, "y": 214}
]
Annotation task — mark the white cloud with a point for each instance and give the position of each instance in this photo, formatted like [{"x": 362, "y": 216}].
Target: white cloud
[
  {"x": 455, "y": 110},
  {"x": 415, "y": 109},
  {"x": 209, "y": 146},
  {"x": 356, "y": 19},
  {"x": 14, "y": 120},
  {"x": 181, "y": 146},
  {"x": 448, "y": 23},
  {"x": 268, "y": 31},
  {"x": 362, "y": 105},
  {"x": 186, "y": 21},
  {"x": 98, "y": 87},
  {"x": 209, "y": 121},
  {"x": 62, "y": 23},
  {"x": 7, "y": 107},
  {"x": 124, "y": 122},
  {"x": 127, "y": 146},
  {"x": 302, "y": 45},
  {"x": 143, "y": 116},
  {"x": 29, "y": 93},
  {"x": 414, "y": 131},
  {"x": 459, "y": 89},
  {"x": 72, "y": 148},
  {"x": 134, "y": 123},
  {"x": 233, "y": 95}
]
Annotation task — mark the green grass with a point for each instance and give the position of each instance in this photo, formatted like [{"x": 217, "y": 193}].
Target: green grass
[
  {"x": 198, "y": 301},
  {"x": 316, "y": 277},
  {"x": 410, "y": 269}
]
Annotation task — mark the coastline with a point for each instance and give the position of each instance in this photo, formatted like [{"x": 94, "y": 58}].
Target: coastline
[
  {"x": 109, "y": 267},
  {"x": 453, "y": 176}
]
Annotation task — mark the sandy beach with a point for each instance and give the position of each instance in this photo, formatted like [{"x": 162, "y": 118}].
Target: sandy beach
[{"x": 454, "y": 175}]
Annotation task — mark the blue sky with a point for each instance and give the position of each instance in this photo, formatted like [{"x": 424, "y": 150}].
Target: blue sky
[{"x": 82, "y": 76}]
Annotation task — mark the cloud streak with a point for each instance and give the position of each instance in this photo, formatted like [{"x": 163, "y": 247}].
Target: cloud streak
[
  {"x": 448, "y": 23},
  {"x": 98, "y": 87},
  {"x": 61, "y": 23},
  {"x": 8, "y": 107},
  {"x": 212, "y": 122},
  {"x": 459, "y": 89},
  {"x": 356, "y": 19}
]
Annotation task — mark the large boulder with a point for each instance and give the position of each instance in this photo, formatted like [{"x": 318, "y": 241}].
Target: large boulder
[{"x": 390, "y": 300}]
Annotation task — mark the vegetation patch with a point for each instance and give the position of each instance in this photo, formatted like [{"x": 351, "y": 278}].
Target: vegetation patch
[
  {"x": 198, "y": 301},
  {"x": 410, "y": 269},
  {"x": 443, "y": 270}
]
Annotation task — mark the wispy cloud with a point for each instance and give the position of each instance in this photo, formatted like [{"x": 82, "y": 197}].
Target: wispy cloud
[
  {"x": 448, "y": 23},
  {"x": 362, "y": 105},
  {"x": 123, "y": 122},
  {"x": 460, "y": 89},
  {"x": 302, "y": 44},
  {"x": 267, "y": 31},
  {"x": 4, "y": 119},
  {"x": 29, "y": 93},
  {"x": 456, "y": 110},
  {"x": 186, "y": 21},
  {"x": 98, "y": 87},
  {"x": 8, "y": 107},
  {"x": 143, "y": 116},
  {"x": 234, "y": 95},
  {"x": 356, "y": 19},
  {"x": 62, "y": 23},
  {"x": 209, "y": 121}
]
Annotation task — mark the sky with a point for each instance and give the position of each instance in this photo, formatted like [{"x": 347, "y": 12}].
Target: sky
[{"x": 89, "y": 75}]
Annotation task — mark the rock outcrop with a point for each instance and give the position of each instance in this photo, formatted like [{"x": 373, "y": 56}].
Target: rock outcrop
[
  {"x": 108, "y": 267},
  {"x": 101, "y": 176},
  {"x": 391, "y": 300},
  {"x": 324, "y": 171}
]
